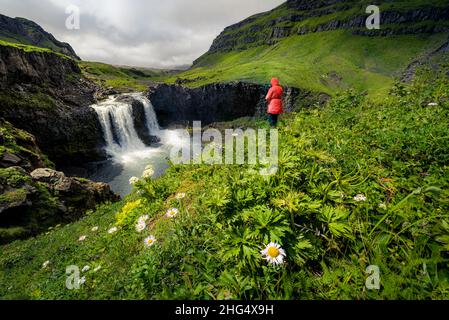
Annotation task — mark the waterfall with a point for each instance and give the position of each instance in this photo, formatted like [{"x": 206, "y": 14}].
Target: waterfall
[{"x": 116, "y": 118}]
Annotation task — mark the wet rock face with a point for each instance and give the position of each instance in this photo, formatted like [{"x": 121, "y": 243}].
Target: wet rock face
[
  {"x": 16, "y": 66},
  {"x": 46, "y": 95},
  {"x": 140, "y": 120},
  {"x": 211, "y": 103},
  {"x": 176, "y": 104}
]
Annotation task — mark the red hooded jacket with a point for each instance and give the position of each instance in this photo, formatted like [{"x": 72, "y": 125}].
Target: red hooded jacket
[{"x": 274, "y": 97}]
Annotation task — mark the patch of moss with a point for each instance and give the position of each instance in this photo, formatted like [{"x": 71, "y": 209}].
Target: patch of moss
[
  {"x": 38, "y": 100},
  {"x": 13, "y": 177},
  {"x": 14, "y": 196},
  {"x": 20, "y": 142}
]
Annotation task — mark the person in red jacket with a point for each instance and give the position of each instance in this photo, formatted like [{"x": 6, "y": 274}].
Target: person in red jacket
[{"x": 274, "y": 99}]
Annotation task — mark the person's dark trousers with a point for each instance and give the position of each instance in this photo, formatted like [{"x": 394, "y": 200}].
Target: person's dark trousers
[{"x": 273, "y": 119}]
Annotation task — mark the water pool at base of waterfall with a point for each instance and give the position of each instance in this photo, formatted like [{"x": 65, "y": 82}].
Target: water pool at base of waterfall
[
  {"x": 118, "y": 170},
  {"x": 128, "y": 153}
]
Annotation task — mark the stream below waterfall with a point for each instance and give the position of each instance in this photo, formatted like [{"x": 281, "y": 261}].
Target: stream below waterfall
[{"x": 129, "y": 155}]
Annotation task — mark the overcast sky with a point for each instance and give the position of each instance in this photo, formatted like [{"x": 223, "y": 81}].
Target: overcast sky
[{"x": 147, "y": 33}]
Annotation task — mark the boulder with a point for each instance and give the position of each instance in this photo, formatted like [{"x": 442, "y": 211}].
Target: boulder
[{"x": 33, "y": 202}]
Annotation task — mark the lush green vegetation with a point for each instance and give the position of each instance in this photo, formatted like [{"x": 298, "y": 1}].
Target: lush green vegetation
[
  {"x": 320, "y": 62},
  {"x": 359, "y": 183},
  {"x": 125, "y": 79},
  {"x": 37, "y": 99},
  {"x": 19, "y": 142},
  {"x": 30, "y": 48}
]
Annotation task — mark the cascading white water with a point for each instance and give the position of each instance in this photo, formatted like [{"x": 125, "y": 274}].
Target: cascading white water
[
  {"x": 130, "y": 155},
  {"x": 116, "y": 118}
]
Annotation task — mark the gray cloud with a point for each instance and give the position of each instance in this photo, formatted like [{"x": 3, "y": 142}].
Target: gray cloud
[{"x": 146, "y": 33}]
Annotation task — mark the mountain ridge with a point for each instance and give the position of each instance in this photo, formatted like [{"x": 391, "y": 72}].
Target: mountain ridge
[{"x": 24, "y": 31}]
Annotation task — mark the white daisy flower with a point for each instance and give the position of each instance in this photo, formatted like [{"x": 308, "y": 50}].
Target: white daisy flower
[
  {"x": 360, "y": 198},
  {"x": 150, "y": 241},
  {"x": 143, "y": 219},
  {"x": 274, "y": 254},
  {"x": 94, "y": 229},
  {"x": 140, "y": 226},
  {"x": 82, "y": 238},
  {"x": 86, "y": 268},
  {"x": 112, "y": 230},
  {"x": 82, "y": 280},
  {"x": 45, "y": 264},
  {"x": 171, "y": 213},
  {"x": 133, "y": 180},
  {"x": 180, "y": 196}
]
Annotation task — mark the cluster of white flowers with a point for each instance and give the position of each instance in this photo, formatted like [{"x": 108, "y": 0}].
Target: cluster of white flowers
[
  {"x": 148, "y": 173},
  {"x": 274, "y": 254},
  {"x": 133, "y": 180},
  {"x": 172, "y": 213},
  {"x": 360, "y": 198},
  {"x": 94, "y": 229},
  {"x": 112, "y": 230},
  {"x": 142, "y": 223}
]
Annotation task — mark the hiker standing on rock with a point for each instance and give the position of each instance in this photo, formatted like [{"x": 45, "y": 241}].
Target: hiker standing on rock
[{"x": 274, "y": 99}]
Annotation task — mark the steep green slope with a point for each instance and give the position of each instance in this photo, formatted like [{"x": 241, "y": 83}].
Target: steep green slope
[
  {"x": 359, "y": 183},
  {"x": 324, "y": 46},
  {"x": 324, "y": 62},
  {"x": 23, "y": 31}
]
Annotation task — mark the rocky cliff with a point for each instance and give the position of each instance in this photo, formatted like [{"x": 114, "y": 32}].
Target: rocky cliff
[
  {"x": 299, "y": 17},
  {"x": 176, "y": 104},
  {"x": 33, "y": 196},
  {"x": 30, "y": 203},
  {"x": 45, "y": 94},
  {"x": 20, "y": 30}
]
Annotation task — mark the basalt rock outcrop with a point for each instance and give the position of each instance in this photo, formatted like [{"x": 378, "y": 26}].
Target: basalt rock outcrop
[
  {"x": 33, "y": 196},
  {"x": 45, "y": 94},
  {"x": 30, "y": 203},
  {"x": 175, "y": 104},
  {"x": 299, "y": 17}
]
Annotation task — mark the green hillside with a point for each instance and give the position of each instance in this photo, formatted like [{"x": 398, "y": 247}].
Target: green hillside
[
  {"x": 359, "y": 183},
  {"x": 26, "y": 32},
  {"x": 323, "y": 62},
  {"x": 125, "y": 79},
  {"x": 328, "y": 60}
]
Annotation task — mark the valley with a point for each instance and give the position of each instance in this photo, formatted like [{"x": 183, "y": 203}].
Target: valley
[{"x": 362, "y": 179}]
